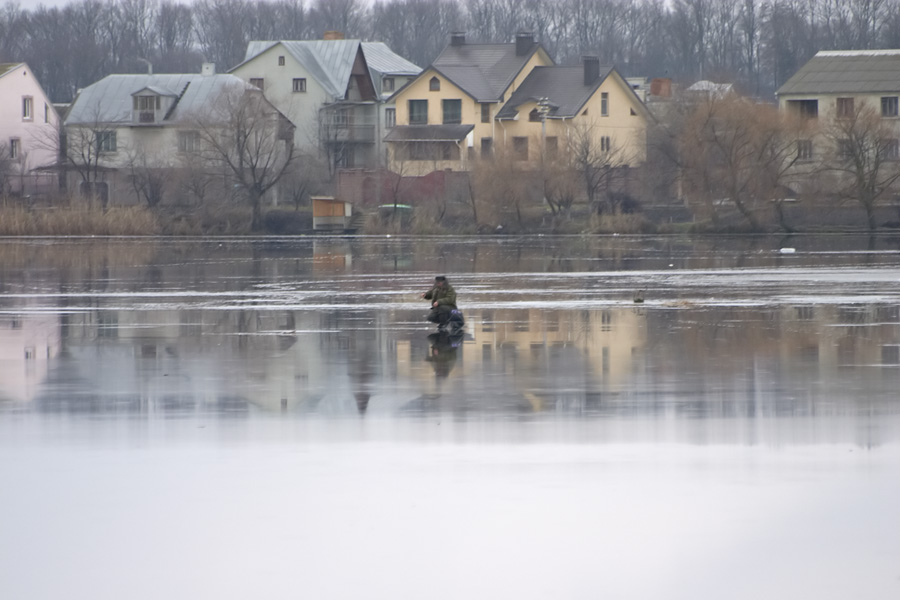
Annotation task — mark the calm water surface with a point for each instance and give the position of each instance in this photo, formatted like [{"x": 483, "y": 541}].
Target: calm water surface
[{"x": 273, "y": 416}]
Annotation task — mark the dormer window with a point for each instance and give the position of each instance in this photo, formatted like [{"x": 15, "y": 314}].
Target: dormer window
[
  {"x": 146, "y": 108},
  {"x": 387, "y": 84}
]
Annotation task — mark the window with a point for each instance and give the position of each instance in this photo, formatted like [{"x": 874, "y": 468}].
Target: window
[
  {"x": 146, "y": 102},
  {"x": 432, "y": 151},
  {"x": 605, "y": 143},
  {"x": 280, "y": 61},
  {"x": 46, "y": 113},
  {"x": 551, "y": 145},
  {"x": 804, "y": 150},
  {"x": 807, "y": 109},
  {"x": 258, "y": 82},
  {"x": 418, "y": 112},
  {"x": 889, "y": 106},
  {"x": 15, "y": 148},
  {"x": 534, "y": 116},
  {"x": 485, "y": 113},
  {"x": 106, "y": 141},
  {"x": 387, "y": 84},
  {"x": 452, "y": 111},
  {"x": 844, "y": 149},
  {"x": 844, "y": 108},
  {"x": 188, "y": 141},
  {"x": 299, "y": 85},
  {"x": 27, "y": 108},
  {"x": 487, "y": 147},
  {"x": 434, "y": 84},
  {"x": 390, "y": 117},
  {"x": 604, "y": 104},
  {"x": 520, "y": 148},
  {"x": 890, "y": 149}
]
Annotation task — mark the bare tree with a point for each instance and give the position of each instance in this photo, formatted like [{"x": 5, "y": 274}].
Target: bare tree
[
  {"x": 602, "y": 166},
  {"x": 244, "y": 136}
]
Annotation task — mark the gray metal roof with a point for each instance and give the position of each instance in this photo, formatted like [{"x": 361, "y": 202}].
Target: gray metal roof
[
  {"x": 109, "y": 100},
  {"x": 330, "y": 62},
  {"x": 847, "y": 71},
  {"x": 483, "y": 71},
  {"x": 428, "y": 133},
  {"x": 562, "y": 86}
]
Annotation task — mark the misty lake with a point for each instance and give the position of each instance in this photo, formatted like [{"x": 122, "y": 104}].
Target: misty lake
[{"x": 622, "y": 417}]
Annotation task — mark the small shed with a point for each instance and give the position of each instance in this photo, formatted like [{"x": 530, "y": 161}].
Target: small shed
[{"x": 330, "y": 213}]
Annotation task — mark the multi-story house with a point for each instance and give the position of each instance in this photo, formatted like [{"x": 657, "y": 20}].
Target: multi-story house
[
  {"x": 557, "y": 108},
  {"x": 335, "y": 91},
  {"x": 29, "y": 132},
  {"x": 838, "y": 86},
  {"x": 127, "y": 127},
  {"x": 449, "y": 110}
]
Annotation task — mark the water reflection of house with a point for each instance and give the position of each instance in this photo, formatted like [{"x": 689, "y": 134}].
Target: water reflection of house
[
  {"x": 196, "y": 357},
  {"x": 545, "y": 351},
  {"x": 27, "y": 344}
]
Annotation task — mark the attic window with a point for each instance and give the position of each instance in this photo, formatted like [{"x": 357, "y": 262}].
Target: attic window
[
  {"x": 633, "y": 114},
  {"x": 280, "y": 61},
  {"x": 534, "y": 116},
  {"x": 584, "y": 113},
  {"x": 604, "y": 104},
  {"x": 434, "y": 84},
  {"x": 387, "y": 84}
]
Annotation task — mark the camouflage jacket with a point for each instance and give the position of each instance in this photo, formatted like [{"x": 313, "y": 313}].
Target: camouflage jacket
[{"x": 444, "y": 296}]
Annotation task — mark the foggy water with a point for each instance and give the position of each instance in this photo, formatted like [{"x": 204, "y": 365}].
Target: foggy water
[{"x": 274, "y": 418}]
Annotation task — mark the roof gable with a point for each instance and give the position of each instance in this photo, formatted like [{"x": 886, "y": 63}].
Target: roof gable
[
  {"x": 330, "y": 62},
  {"x": 846, "y": 71},
  {"x": 564, "y": 89},
  {"x": 484, "y": 71}
]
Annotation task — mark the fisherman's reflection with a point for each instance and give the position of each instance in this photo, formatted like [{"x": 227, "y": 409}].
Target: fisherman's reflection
[
  {"x": 442, "y": 352},
  {"x": 362, "y": 366}
]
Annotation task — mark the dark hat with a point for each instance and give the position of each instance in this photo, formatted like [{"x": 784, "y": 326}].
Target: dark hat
[{"x": 440, "y": 278}]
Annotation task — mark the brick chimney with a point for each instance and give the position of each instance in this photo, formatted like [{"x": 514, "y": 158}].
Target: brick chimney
[
  {"x": 591, "y": 69},
  {"x": 524, "y": 42},
  {"x": 333, "y": 35},
  {"x": 661, "y": 87},
  {"x": 458, "y": 38}
]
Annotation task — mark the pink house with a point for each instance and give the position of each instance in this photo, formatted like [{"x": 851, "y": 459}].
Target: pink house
[{"x": 29, "y": 132}]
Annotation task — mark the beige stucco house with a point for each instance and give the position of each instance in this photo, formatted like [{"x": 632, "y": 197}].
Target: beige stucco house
[
  {"x": 29, "y": 132},
  {"x": 556, "y": 108},
  {"x": 478, "y": 99},
  {"x": 335, "y": 91},
  {"x": 836, "y": 85},
  {"x": 448, "y": 112}
]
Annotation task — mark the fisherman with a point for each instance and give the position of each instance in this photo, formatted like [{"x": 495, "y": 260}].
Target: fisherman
[{"x": 443, "y": 302}]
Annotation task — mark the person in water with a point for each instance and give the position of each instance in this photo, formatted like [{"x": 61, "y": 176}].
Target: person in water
[{"x": 443, "y": 301}]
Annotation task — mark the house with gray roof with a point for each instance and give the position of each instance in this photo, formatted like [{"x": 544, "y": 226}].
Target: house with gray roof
[
  {"x": 150, "y": 120},
  {"x": 557, "y": 107},
  {"x": 837, "y": 84},
  {"x": 467, "y": 84},
  {"x": 335, "y": 91}
]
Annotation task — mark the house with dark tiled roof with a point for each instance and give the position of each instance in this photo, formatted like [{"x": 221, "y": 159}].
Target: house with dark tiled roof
[
  {"x": 335, "y": 91},
  {"x": 558, "y": 106},
  {"x": 447, "y": 113},
  {"x": 836, "y": 84}
]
